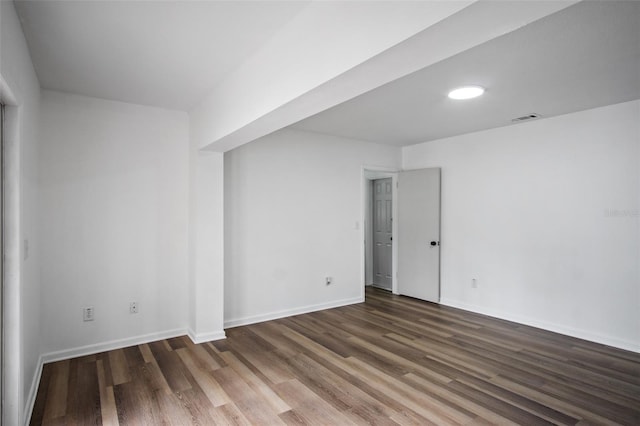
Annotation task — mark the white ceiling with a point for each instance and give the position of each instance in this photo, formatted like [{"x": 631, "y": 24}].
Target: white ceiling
[
  {"x": 161, "y": 53},
  {"x": 585, "y": 56}
]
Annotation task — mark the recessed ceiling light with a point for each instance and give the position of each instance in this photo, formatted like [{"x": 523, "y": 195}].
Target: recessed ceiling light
[{"x": 466, "y": 92}]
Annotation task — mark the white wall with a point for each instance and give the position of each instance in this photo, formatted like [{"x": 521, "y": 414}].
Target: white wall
[
  {"x": 20, "y": 92},
  {"x": 206, "y": 239},
  {"x": 527, "y": 210},
  {"x": 292, "y": 201},
  {"x": 206, "y": 280},
  {"x": 114, "y": 219}
]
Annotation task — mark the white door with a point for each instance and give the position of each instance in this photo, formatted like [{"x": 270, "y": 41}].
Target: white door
[
  {"x": 382, "y": 235},
  {"x": 419, "y": 234}
]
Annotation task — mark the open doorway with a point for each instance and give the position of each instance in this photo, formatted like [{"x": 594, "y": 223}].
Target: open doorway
[
  {"x": 415, "y": 231},
  {"x": 382, "y": 239},
  {"x": 379, "y": 209}
]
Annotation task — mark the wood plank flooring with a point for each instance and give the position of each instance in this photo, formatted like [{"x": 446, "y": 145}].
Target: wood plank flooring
[{"x": 391, "y": 360}]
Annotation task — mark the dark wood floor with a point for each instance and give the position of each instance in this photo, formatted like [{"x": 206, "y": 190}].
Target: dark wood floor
[{"x": 391, "y": 360}]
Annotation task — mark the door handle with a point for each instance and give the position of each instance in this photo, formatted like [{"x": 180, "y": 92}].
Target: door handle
[{"x": 435, "y": 243}]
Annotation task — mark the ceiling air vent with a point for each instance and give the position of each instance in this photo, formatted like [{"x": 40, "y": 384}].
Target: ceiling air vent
[{"x": 525, "y": 118}]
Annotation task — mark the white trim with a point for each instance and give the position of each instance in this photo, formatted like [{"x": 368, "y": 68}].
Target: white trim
[
  {"x": 567, "y": 331},
  {"x": 290, "y": 312},
  {"x": 111, "y": 345},
  {"x": 198, "y": 338},
  {"x": 12, "y": 369},
  {"x": 33, "y": 392}
]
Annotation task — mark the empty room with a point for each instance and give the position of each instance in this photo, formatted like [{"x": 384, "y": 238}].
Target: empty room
[{"x": 313, "y": 212}]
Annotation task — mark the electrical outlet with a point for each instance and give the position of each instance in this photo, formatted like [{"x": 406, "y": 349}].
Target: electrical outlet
[
  {"x": 328, "y": 280},
  {"x": 474, "y": 283},
  {"x": 133, "y": 307},
  {"x": 87, "y": 313}
]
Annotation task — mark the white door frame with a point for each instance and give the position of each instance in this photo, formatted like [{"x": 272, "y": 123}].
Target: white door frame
[
  {"x": 11, "y": 357},
  {"x": 370, "y": 173}
]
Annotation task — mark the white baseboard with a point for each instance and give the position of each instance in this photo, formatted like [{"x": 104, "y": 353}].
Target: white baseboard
[
  {"x": 111, "y": 345},
  {"x": 289, "y": 312},
  {"x": 556, "y": 328},
  {"x": 33, "y": 392},
  {"x": 198, "y": 338}
]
